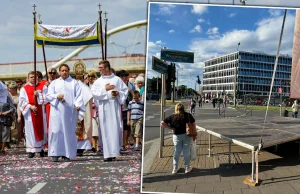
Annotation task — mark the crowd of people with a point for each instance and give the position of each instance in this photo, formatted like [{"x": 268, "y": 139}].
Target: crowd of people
[{"x": 63, "y": 117}]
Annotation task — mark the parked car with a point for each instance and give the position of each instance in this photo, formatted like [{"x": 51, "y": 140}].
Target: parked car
[{"x": 239, "y": 101}]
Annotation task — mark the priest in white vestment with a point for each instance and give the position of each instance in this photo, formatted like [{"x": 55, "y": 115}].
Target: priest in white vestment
[
  {"x": 84, "y": 135},
  {"x": 66, "y": 99},
  {"x": 110, "y": 92}
]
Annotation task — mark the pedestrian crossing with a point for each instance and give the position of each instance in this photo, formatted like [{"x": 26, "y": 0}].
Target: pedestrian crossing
[{"x": 157, "y": 114}]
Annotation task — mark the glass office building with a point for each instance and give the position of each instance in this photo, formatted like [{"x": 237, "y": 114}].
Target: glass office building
[{"x": 253, "y": 72}]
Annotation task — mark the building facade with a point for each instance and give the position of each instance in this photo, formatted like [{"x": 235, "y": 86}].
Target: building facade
[{"x": 252, "y": 71}]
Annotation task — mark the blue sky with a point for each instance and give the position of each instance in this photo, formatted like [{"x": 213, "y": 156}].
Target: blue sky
[{"x": 210, "y": 30}]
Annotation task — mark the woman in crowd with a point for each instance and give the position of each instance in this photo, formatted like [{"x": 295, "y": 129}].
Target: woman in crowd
[
  {"x": 140, "y": 86},
  {"x": 177, "y": 123},
  {"x": 7, "y": 110},
  {"x": 15, "y": 129},
  {"x": 92, "y": 76}
]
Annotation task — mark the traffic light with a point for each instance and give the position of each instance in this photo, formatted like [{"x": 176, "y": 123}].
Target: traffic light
[
  {"x": 171, "y": 72},
  {"x": 198, "y": 80}
]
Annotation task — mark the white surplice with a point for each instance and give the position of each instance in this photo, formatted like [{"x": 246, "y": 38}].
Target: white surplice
[
  {"x": 32, "y": 145},
  {"x": 85, "y": 144},
  {"x": 110, "y": 115},
  {"x": 63, "y": 117}
]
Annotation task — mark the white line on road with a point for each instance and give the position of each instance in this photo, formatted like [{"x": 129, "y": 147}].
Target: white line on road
[
  {"x": 150, "y": 117},
  {"x": 36, "y": 188},
  {"x": 64, "y": 165}
]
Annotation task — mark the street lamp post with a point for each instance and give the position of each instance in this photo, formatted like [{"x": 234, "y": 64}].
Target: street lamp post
[
  {"x": 125, "y": 47},
  {"x": 235, "y": 78}
]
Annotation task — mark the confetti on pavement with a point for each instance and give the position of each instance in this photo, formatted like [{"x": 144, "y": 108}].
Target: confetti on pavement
[{"x": 86, "y": 174}]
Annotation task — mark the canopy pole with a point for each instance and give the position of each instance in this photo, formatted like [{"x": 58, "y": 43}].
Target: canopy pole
[
  {"x": 105, "y": 19},
  {"x": 35, "y": 76},
  {"x": 100, "y": 29},
  {"x": 45, "y": 62}
]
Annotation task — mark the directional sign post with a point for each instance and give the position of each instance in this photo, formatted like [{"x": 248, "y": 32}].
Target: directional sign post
[
  {"x": 161, "y": 67},
  {"x": 177, "y": 56}
]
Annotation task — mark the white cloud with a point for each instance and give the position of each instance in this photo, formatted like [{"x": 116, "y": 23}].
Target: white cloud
[
  {"x": 199, "y": 9},
  {"x": 201, "y": 20},
  {"x": 154, "y": 49},
  {"x": 213, "y": 30},
  {"x": 275, "y": 12},
  {"x": 264, "y": 38},
  {"x": 213, "y": 33},
  {"x": 171, "y": 31},
  {"x": 169, "y": 22},
  {"x": 159, "y": 42},
  {"x": 196, "y": 29},
  {"x": 166, "y": 9},
  {"x": 232, "y": 15}
]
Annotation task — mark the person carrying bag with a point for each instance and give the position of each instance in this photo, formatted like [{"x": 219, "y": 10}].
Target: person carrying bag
[
  {"x": 184, "y": 131},
  {"x": 7, "y": 109}
]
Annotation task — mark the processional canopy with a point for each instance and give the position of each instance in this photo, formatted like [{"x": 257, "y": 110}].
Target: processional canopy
[{"x": 66, "y": 36}]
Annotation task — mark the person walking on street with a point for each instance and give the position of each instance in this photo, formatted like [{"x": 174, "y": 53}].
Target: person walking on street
[
  {"x": 192, "y": 106},
  {"x": 200, "y": 101},
  {"x": 214, "y": 102},
  {"x": 110, "y": 92},
  {"x": 295, "y": 108},
  {"x": 177, "y": 123},
  {"x": 66, "y": 99}
]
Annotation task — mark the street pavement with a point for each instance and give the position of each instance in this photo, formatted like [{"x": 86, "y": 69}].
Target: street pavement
[
  {"x": 152, "y": 118},
  {"x": 279, "y": 170},
  {"x": 87, "y": 174}
]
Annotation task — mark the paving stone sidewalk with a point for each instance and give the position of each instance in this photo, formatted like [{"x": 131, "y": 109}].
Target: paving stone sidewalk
[{"x": 213, "y": 174}]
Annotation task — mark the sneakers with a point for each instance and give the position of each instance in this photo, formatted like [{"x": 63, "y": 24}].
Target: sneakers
[
  {"x": 174, "y": 171},
  {"x": 136, "y": 148},
  {"x": 187, "y": 170}
]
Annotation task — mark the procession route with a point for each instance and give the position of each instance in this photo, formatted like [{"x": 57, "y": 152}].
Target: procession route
[{"x": 36, "y": 188}]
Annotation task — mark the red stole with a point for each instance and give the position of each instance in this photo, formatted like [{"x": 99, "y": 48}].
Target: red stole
[{"x": 37, "y": 120}]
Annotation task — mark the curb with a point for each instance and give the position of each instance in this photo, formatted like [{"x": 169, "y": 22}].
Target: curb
[{"x": 151, "y": 154}]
